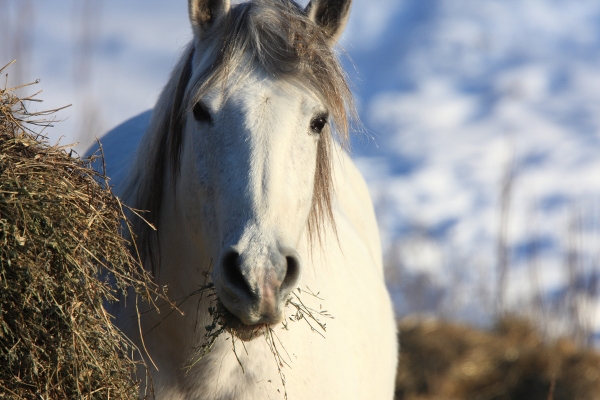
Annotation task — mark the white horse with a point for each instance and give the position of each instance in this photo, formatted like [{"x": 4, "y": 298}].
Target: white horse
[{"x": 250, "y": 192}]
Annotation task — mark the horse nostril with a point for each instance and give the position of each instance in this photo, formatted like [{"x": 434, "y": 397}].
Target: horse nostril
[
  {"x": 292, "y": 273},
  {"x": 233, "y": 273}
]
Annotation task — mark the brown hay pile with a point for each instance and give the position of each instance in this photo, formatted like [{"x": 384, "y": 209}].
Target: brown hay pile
[
  {"x": 60, "y": 228},
  {"x": 441, "y": 360}
]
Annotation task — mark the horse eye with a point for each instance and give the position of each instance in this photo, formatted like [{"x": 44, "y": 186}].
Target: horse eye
[
  {"x": 318, "y": 123},
  {"x": 201, "y": 112}
]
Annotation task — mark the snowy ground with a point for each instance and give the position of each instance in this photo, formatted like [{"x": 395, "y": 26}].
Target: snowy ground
[{"x": 470, "y": 107}]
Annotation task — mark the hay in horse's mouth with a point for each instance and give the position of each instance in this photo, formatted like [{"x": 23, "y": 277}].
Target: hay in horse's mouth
[
  {"x": 237, "y": 328},
  {"x": 225, "y": 321}
]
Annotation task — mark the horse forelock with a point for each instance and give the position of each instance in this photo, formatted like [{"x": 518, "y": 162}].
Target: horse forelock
[{"x": 279, "y": 38}]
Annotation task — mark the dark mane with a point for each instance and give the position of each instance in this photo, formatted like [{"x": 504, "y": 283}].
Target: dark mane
[{"x": 282, "y": 40}]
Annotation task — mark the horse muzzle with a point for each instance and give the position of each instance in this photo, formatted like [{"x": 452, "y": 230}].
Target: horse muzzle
[{"x": 255, "y": 285}]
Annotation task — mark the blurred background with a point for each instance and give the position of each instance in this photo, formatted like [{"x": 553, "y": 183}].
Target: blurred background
[{"x": 481, "y": 144}]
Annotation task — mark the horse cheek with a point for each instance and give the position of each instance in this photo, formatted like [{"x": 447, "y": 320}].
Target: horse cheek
[
  {"x": 195, "y": 194},
  {"x": 303, "y": 165}
]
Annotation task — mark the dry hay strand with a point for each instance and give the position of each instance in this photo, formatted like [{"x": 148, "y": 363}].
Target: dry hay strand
[
  {"x": 442, "y": 360},
  {"x": 62, "y": 254}
]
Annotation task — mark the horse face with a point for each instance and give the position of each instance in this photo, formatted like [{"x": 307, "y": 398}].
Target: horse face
[
  {"x": 248, "y": 162},
  {"x": 247, "y": 177}
]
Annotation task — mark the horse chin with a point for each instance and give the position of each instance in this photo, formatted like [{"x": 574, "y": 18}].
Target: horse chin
[{"x": 242, "y": 331}]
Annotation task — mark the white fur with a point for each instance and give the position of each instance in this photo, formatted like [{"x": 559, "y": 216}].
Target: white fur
[{"x": 247, "y": 181}]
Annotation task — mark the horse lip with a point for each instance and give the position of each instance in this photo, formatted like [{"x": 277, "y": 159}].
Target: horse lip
[
  {"x": 262, "y": 319},
  {"x": 250, "y": 329}
]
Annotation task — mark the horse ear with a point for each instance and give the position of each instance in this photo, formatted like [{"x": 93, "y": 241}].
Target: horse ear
[
  {"x": 205, "y": 13},
  {"x": 330, "y": 15}
]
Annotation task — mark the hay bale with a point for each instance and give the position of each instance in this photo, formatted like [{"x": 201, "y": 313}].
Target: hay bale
[{"x": 60, "y": 232}]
